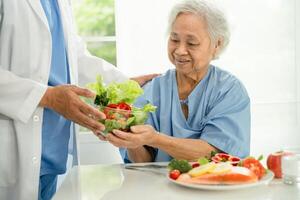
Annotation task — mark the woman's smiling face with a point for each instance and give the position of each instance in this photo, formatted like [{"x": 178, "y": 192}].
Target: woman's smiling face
[{"x": 189, "y": 47}]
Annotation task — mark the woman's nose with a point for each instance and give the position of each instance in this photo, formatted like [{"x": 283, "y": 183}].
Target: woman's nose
[{"x": 181, "y": 49}]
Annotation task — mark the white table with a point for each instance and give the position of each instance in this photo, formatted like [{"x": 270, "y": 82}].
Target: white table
[{"x": 114, "y": 182}]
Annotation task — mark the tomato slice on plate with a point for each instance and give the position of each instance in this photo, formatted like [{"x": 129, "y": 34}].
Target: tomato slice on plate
[{"x": 255, "y": 166}]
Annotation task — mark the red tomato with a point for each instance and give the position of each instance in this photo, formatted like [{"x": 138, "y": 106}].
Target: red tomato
[
  {"x": 109, "y": 112},
  {"x": 124, "y": 106},
  {"x": 255, "y": 166},
  {"x": 234, "y": 160},
  {"x": 195, "y": 165},
  {"x": 174, "y": 174}
]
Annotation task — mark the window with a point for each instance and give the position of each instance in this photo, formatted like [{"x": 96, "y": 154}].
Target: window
[
  {"x": 95, "y": 20},
  {"x": 96, "y": 24}
]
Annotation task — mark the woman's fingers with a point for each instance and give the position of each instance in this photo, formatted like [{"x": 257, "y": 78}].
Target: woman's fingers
[
  {"x": 117, "y": 141},
  {"x": 140, "y": 128},
  {"x": 100, "y": 136},
  {"x": 123, "y": 135}
]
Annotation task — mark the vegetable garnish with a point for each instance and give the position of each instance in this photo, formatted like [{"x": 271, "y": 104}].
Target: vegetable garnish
[
  {"x": 223, "y": 157},
  {"x": 115, "y": 101},
  {"x": 182, "y": 165}
]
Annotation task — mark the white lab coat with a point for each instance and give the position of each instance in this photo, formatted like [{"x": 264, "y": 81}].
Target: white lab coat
[{"x": 25, "y": 56}]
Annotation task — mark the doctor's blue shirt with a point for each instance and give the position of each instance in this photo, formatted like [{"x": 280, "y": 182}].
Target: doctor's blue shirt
[
  {"x": 55, "y": 129},
  {"x": 218, "y": 111}
]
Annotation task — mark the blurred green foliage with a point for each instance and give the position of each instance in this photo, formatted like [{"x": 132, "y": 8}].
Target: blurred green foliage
[
  {"x": 97, "y": 18},
  {"x": 106, "y": 50}
]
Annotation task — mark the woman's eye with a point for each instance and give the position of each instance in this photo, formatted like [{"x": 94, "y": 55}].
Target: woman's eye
[
  {"x": 174, "y": 40},
  {"x": 193, "y": 44}
]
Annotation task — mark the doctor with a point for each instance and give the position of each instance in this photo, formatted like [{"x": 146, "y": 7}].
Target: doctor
[{"x": 40, "y": 57}]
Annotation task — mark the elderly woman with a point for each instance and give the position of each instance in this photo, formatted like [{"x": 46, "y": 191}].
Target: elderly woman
[{"x": 200, "y": 107}]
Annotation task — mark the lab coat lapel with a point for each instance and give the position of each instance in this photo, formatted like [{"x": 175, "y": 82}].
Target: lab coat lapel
[{"x": 37, "y": 7}]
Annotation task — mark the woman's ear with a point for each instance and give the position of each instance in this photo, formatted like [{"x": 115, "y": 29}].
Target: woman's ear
[
  {"x": 217, "y": 48},
  {"x": 218, "y": 45}
]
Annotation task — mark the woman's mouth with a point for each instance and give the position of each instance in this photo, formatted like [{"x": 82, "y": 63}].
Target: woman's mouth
[{"x": 181, "y": 61}]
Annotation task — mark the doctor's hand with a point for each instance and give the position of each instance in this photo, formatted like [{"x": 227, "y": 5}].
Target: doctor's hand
[
  {"x": 140, "y": 135},
  {"x": 64, "y": 99}
]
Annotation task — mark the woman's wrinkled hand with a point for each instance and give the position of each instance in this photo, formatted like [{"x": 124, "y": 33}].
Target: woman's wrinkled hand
[
  {"x": 140, "y": 135},
  {"x": 65, "y": 100}
]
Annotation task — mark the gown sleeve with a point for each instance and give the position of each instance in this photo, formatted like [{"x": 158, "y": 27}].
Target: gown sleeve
[{"x": 227, "y": 124}]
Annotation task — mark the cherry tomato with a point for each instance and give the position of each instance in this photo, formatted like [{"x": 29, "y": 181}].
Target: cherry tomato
[
  {"x": 174, "y": 174},
  {"x": 124, "y": 106},
  {"x": 234, "y": 160},
  {"x": 255, "y": 166},
  {"x": 195, "y": 165}
]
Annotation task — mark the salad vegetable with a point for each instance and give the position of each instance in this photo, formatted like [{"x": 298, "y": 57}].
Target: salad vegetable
[
  {"x": 174, "y": 174},
  {"x": 115, "y": 101},
  {"x": 182, "y": 165}
]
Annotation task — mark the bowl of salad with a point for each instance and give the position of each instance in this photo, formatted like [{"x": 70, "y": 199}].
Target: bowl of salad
[{"x": 116, "y": 100}]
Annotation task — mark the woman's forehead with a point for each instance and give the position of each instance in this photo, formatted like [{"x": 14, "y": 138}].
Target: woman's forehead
[{"x": 189, "y": 25}]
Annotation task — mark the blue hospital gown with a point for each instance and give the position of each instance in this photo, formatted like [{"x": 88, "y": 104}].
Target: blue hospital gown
[{"x": 219, "y": 111}]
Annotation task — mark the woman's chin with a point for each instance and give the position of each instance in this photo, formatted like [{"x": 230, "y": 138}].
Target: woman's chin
[{"x": 184, "y": 69}]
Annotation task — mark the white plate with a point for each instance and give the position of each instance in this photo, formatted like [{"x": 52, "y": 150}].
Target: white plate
[{"x": 263, "y": 181}]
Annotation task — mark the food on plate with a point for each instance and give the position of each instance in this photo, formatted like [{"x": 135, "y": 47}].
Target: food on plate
[
  {"x": 174, "y": 174},
  {"x": 115, "y": 101},
  {"x": 255, "y": 166},
  {"x": 274, "y": 162},
  {"x": 182, "y": 165},
  {"x": 225, "y": 172},
  {"x": 236, "y": 175},
  {"x": 203, "y": 169},
  {"x": 223, "y": 157}
]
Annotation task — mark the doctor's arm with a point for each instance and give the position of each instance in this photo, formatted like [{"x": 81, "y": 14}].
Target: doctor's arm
[
  {"x": 64, "y": 99},
  {"x": 20, "y": 97}
]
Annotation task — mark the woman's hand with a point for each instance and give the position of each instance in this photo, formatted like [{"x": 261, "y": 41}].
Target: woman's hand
[
  {"x": 64, "y": 99},
  {"x": 140, "y": 135}
]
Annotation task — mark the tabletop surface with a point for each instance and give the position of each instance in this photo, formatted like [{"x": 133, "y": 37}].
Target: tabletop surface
[{"x": 109, "y": 182}]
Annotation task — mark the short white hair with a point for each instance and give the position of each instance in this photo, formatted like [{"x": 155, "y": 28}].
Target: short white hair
[{"x": 217, "y": 25}]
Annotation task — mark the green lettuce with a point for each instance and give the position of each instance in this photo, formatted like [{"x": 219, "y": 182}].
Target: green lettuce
[{"x": 126, "y": 92}]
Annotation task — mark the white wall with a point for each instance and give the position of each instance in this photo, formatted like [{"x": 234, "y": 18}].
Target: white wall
[{"x": 264, "y": 53}]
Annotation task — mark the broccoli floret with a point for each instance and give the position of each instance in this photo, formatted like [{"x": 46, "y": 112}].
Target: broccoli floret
[{"x": 182, "y": 165}]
